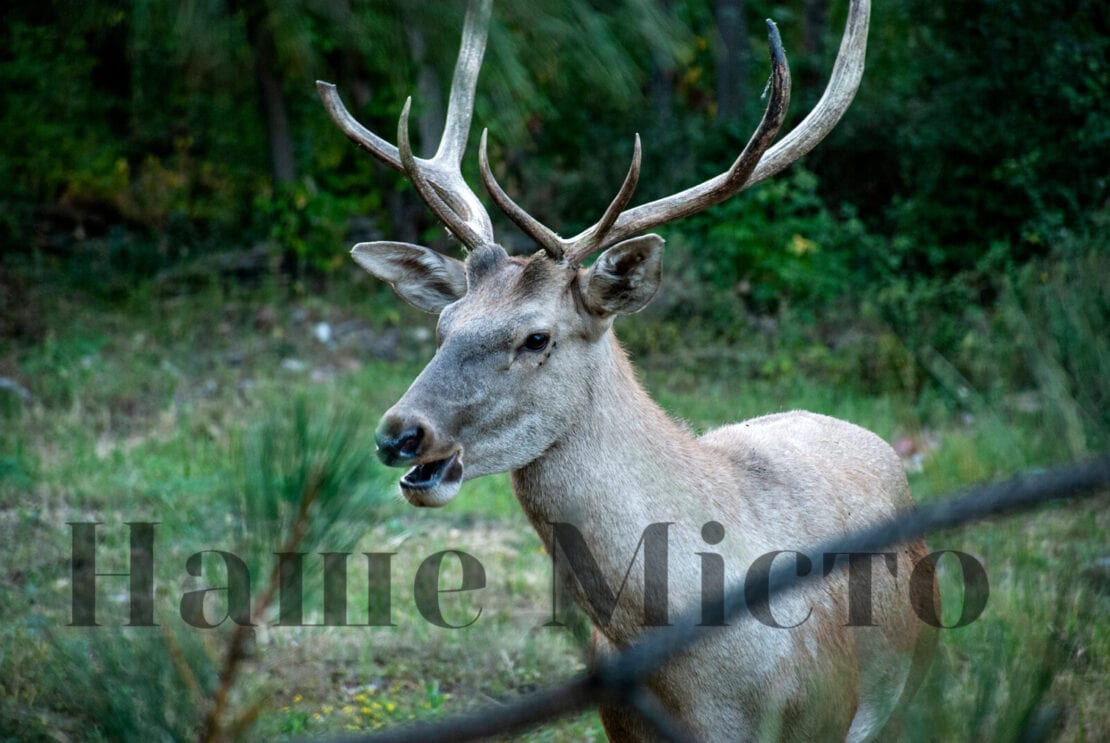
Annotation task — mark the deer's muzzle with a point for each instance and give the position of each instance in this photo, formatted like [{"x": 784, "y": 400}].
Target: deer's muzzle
[
  {"x": 437, "y": 467},
  {"x": 399, "y": 444}
]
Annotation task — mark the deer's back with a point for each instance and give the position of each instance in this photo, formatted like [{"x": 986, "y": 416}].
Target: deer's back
[{"x": 808, "y": 476}]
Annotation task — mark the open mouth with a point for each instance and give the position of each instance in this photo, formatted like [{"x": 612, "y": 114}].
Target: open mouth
[{"x": 434, "y": 474}]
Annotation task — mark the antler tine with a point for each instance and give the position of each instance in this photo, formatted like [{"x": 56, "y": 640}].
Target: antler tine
[
  {"x": 592, "y": 239},
  {"x": 615, "y": 224},
  {"x": 448, "y": 215},
  {"x": 460, "y": 106},
  {"x": 843, "y": 83},
  {"x": 551, "y": 243},
  {"x": 439, "y": 180},
  {"x": 558, "y": 248},
  {"x": 385, "y": 152}
]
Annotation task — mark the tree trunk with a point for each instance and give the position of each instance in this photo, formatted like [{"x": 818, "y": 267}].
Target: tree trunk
[
  {"x": 730, "y": 58},
  {"x": 815, "y": 21},
  {"x": 430, "y": 116},
  {"x": 665, "y": 134},
  {"x": 283, "y": 163},
  {"x": 428, "y": 101}
]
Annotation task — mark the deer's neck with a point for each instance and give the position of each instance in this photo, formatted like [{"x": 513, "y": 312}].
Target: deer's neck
[
  {"x": 621, "y": 467},
  {"x": 622, "y": 464}
]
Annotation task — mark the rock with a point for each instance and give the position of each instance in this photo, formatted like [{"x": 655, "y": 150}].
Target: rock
[{"x": 293, "y": 365}]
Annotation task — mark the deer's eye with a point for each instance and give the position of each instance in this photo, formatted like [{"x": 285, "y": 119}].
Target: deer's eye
[{"x": 536, "y": 342}]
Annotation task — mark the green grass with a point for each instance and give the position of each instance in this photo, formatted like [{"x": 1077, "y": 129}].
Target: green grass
[{"x": 147, "y": 412}]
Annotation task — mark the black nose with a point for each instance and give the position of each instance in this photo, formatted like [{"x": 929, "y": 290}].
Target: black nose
[{"x": 398, "y": 447}]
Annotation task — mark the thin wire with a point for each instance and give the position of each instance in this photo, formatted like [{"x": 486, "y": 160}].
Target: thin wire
[{"x": 615, "y": 675}]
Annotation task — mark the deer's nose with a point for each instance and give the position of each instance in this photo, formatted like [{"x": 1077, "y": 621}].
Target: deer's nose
[{"x": 400, "y": 441}]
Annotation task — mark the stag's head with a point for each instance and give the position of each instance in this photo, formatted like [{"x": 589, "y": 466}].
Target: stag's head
[{"x": 521, "y": 339}]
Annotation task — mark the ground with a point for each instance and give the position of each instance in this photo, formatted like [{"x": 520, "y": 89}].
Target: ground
[{"x": 157, "y": 410}]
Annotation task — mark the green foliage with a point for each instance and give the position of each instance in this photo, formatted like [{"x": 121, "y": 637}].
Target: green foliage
[
  {"x": 781, "y": 244},
  {"x": 52, "y": 127},
  {"x": 937, "y": 269},
  {"x": 1056, "y": 314},
  {"x": 1029, "y": 633},
  {"x": 306, "y": 478},
  {"x": 979, "y": 122},
  {"x": 136, "y": 135},
  {"x": 1028, "y": 334},
  {"x": 308, "y": 222},
  {"x": 302, "y": 479}
]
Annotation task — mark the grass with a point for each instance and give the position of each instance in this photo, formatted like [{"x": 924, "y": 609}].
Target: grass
[{"x": 162, "y": 409}]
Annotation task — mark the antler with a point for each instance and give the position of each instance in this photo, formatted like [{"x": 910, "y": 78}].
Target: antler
[
  {"x": 755, "y": 163},
  {"x": 439, "y": 180},
  {"x": 556, "y": 247}
]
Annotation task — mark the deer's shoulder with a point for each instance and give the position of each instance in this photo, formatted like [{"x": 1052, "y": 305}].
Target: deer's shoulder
[{"x": 814, "y": 462}]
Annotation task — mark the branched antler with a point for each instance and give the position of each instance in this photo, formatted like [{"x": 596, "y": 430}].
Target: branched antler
[
  {"x": 439, "y": 180},
  {"x": 440, "y": 183},
  {"x": 755, "y": 163}
]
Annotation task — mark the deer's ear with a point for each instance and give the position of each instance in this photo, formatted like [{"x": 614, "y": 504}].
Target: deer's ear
[
  {"x": 625, "y": 277},
  {"x": 420, "y": 276}
]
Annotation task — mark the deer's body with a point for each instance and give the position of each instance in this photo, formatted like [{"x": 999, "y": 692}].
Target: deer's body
[
  {"x": 779, "y": 482},
  {"x": 529, "y": 379}
]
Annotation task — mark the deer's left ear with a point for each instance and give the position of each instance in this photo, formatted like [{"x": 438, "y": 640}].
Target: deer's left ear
[
  {"x": 625, "y": 277},
  {"x": 422, "y": 277}
]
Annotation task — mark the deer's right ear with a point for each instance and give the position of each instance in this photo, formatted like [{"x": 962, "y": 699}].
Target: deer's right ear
[{"x": 420, "y": 276}]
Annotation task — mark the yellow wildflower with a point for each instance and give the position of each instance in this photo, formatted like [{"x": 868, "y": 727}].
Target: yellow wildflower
[{"x": 800, "y": 245}]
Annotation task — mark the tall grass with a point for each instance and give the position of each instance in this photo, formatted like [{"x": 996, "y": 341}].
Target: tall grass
[{"x": 303, "y": 479}]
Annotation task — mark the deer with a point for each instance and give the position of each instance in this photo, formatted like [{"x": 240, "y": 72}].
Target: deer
[{"x": 528, "y": 378}]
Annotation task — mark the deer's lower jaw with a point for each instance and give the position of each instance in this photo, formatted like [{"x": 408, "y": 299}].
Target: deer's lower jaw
[{"x": 433, "y": 484}]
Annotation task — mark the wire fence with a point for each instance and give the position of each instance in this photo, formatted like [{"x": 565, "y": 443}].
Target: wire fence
[{"x": 621, "y": 677}]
